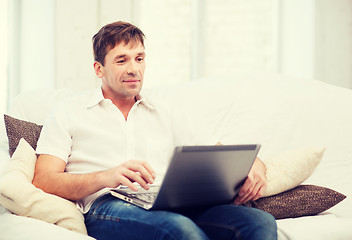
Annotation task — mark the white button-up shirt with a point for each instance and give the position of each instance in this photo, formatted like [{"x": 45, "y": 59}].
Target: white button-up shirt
[{"x": 90, "y": 134}]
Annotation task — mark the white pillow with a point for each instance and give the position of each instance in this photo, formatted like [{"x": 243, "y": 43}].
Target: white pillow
[
  {"x": 20, "y": 196},
  {"x": 290, "y": 169}
]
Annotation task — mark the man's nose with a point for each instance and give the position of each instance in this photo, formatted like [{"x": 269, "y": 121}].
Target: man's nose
[{"x": 132, "y": 68}]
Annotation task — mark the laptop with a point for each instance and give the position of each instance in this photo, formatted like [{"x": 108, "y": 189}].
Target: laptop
[{"x": 196, "y": 176}]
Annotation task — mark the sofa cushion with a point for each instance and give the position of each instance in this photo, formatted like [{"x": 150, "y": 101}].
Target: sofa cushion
[
  {"x": 289, "y": 169},
  {"x": 17, "y": 129},
  {"x": 20, "y": 196},
  {"x": 303, "y": 200}
]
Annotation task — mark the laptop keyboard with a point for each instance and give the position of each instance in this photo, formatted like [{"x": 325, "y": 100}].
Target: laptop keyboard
[{"x": 147, "y": 197}]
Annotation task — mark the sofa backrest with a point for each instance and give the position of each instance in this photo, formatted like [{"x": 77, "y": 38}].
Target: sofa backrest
[
  {"x": 279, "y": 112},
  {"x": 282, "y": 113},
  {"x": 36, "y": 105}
]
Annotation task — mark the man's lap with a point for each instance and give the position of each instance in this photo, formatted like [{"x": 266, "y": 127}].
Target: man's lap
[{"x": 110, "y": 216}]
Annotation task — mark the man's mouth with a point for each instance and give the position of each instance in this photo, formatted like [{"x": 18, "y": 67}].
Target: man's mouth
[{"x": 131, "y": 80}]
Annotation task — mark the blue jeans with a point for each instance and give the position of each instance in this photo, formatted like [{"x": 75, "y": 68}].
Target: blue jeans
[{"x": 111, "y": 218}]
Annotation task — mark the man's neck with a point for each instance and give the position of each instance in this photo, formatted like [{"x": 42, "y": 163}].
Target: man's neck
[{"x": 124, "y": 104}]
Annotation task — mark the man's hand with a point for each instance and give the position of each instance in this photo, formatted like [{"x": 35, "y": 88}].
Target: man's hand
[
  {"x": 254, "y": 186},
  {"x": 129, "y": 172}
]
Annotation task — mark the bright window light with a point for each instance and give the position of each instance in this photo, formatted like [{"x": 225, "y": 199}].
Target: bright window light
[{"x": 4, "y": 54}]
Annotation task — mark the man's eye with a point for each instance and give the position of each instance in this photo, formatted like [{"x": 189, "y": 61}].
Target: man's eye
[
  {"x": 120, "y": 61},
  {"x": 140, "y": 59}
]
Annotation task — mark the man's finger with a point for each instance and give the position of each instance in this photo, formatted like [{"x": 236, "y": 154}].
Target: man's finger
[
  {"x": 252, "y": 194},
  {"x": 144, "y": 169},
  {"x": 126, "y": 182},
  {"x": 260, "y": 193},
  {"x": 136, "y": 177}
]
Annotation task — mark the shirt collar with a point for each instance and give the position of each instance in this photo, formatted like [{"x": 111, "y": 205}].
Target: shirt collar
[
  {"x": 142, "y": 100},
  {"x": 97, "y": 97}
]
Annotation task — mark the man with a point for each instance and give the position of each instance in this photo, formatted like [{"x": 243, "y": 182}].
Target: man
[{"x": 113, "y": 136}]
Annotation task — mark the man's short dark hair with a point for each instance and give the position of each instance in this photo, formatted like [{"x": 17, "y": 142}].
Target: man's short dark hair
[{"x": 113, "y": 34}]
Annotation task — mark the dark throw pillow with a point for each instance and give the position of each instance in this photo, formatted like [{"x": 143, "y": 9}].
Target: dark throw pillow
[
  {"x": 17, "y": 129},
  {"x": 304, "y": 200}
]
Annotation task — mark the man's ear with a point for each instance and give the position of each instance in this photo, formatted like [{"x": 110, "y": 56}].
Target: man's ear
[{"x": 99, "y": 69}]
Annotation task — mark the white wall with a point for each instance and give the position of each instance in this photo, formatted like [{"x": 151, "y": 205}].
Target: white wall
[
  {"x": 74, "y": 28},
  {"x": 192, "y": 39},
  {"x": 334, "y": 42},
  {"x": 296, "y": 37},
  {"x": 31, "y": 46},
  {"x": 239, "y": 37},
  {"x": 50, "y": 41},
  {"x": 315, "y": 40},
  {"x": 167, "y": 25},
  {"x": 4, "y": 54}
]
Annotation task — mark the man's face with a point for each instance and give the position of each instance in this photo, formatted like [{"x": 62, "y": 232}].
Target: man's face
[{"x": 122, "y": 75}]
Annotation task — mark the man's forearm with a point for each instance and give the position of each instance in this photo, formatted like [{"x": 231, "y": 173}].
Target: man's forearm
[
  {"x": 70, "y": 186},
  {"x": 50, "y": 176}
]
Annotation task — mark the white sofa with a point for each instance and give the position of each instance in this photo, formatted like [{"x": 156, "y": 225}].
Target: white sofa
[{"x": 279, "y": 112}]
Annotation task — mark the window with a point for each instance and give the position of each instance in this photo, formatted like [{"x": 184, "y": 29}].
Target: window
[
  {"x": 167, "y": 26},
  {"x": 185, "y": 40},
  {"x": 194, "y": 39},
  {"x": 238, "y": 36},
  {"x": 4, "y": 54},
  {"x": 30, "y": 46}
]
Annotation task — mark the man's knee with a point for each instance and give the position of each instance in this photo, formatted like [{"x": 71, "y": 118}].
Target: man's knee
[
  {"x": 177, "y": 226},
  {"x": 264, "y": 226},
  {"x": 248, "y": 223},
  {"x": 268, "y": 220}
]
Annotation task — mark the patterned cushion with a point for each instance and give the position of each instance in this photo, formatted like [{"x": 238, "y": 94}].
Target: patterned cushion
[
  {"x": 304, "y": 200},
  {"x": 17, "y": 129}
]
